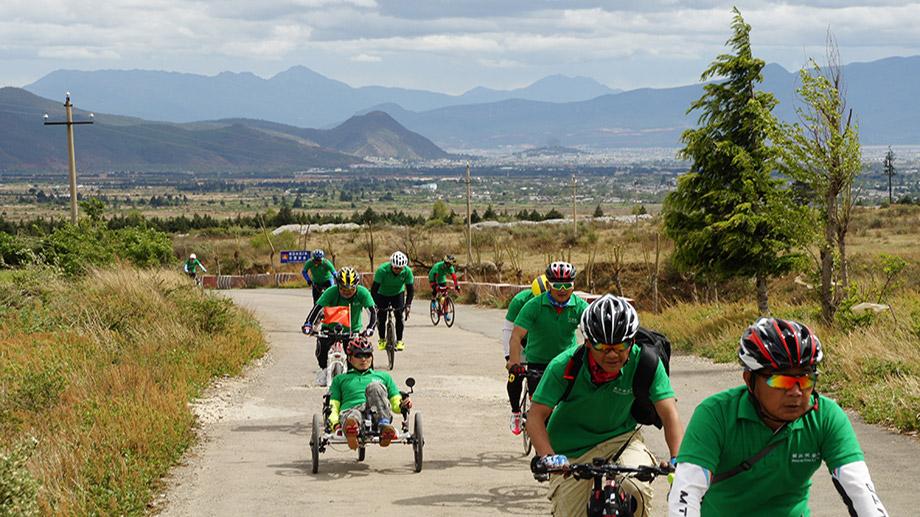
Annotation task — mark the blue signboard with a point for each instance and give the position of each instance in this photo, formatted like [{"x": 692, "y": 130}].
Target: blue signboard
[{"x": 295, "y": 256}]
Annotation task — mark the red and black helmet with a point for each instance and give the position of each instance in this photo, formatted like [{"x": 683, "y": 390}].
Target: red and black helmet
[
  {"x": 775, "y": 344},
  {"x": 358, "y": 344},
  {"x": 560, "y": 272}
]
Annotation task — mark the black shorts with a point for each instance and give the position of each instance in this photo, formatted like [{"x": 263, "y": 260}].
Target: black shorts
[{"x": 398, "y": 301}]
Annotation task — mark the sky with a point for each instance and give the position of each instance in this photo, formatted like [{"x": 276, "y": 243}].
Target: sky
[{"x": 448, "y": 46}]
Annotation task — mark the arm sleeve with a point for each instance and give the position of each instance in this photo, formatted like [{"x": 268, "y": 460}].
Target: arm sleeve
[
  {"x": 454, "y": 276},
  {"x": 506, "y": 336},
  {"x": 372, "y": 319},
  {"x": 374, "y": 288},
  {"x": 334, "y": 406},
  {"x": 410, "y": 293},
  {"x": 690, "y": 485},
  {"x": 854, "y": 485},
  {"x": 314, "y": 313},
  {"x": 199, "y": 264},
  {"x": 395, "y": 401}
]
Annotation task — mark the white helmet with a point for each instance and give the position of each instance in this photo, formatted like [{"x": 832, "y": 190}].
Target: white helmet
[
  {"x": 399, "y": 259},
  {"x": 609, "y": 319},
  {"x": 192, "y": 256}
]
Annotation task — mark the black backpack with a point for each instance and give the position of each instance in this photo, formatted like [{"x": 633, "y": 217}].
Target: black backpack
[{"x": 654, "y": 346}]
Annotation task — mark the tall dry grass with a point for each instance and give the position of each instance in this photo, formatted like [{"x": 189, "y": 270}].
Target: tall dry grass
[{"x": 100, "y": 371}]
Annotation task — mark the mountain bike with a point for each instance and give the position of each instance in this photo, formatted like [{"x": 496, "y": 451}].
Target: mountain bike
[
  {"x": 337, "y": 361},
  {"x": 442, "y": 305},
  {"x": 390, "y": 337},
  {"x": 608, "y": 498}
]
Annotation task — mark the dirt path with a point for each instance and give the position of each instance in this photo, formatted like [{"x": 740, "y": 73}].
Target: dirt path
[{"x": 254, "y": 458}]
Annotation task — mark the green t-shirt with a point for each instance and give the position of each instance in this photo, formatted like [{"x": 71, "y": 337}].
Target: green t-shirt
[
  {"x": 320, "y": 273},
  {"x": 192, "y": 265},
  {"x": 361, "y": 300},
  {"x": 549, "y": 331},
  {"x": 514, "y": 307},
  {"x": 390, "y": 284},
  {"x": 725, "y": 430},
  {"x": 349, "y": 387},
  {"x": 592, "y": 414},
  {"x": 439, "y": 272}
]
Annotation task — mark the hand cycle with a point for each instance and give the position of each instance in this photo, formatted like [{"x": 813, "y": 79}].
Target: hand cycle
[
  {"x": 336, "y": 360},
  {"x": 608, "y": 498},
  {"x": 442, "y": 305},
  {"x": 323, "y": 435}
]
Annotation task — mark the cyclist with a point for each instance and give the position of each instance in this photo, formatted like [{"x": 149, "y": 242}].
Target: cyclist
[
  {"x": 348, "y": 294},
  {"x": 516, "y": 378},
  {"x": 190, "y": 267},
  {"x": 589, "y": 410},
  {"x": 319, "y": 273},
  {"x": 394, "y": 286},
  {"x": 437, "y": 275},
  {"x": 549, "y": 322},
  {"x": 361, "y": 386},
  {"x": 778, "y": 427}
]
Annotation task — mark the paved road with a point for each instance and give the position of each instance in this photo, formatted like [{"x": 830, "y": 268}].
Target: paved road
[{"x": 254, "y": 458}]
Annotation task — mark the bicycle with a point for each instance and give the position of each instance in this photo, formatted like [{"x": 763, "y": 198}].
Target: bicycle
[
  {"x": 525, "y": 401},
  {"x": 390, "y": 338},
  {"x": 322, "y": 434},
  {"x": 442, "y": 305},
  {"x": 336, "y": 362},
  {"x": 608, "y": 498}
]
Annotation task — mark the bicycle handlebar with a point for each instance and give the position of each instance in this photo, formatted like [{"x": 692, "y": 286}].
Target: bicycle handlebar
[{"x": 600, "y": 468}]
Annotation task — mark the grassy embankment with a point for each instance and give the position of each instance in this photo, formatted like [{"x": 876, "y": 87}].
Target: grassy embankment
[{"x": 95, "y": 378}]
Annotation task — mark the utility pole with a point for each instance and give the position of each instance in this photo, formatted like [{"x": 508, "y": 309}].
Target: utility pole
[
  {"x": 469, "y": 217},
  {"x": 889, "y": 171},
  {"x": 68, "y": 107},
  {"x": 574, "y": 214}
]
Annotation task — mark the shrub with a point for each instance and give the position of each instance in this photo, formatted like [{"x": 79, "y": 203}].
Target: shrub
[
  {"x": 144, "y": 247},
  {"x": 13, "y": 252},
  {"x": 18, "y": 489}
]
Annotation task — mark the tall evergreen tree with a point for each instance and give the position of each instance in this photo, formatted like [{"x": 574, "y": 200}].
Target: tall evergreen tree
[{"x": 728, "y": 217}]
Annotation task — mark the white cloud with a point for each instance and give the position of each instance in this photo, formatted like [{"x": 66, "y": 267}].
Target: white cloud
[{"x": 366, "y": 58}]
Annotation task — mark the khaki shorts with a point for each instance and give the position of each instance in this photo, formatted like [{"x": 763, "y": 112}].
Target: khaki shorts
[{"x": 570, "y": 496}]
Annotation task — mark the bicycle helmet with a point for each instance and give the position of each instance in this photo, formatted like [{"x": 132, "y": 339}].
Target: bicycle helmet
[
  {"x": 609, "y": 319},
  {"x": 539, "y": 286},
  {"x": 348, "y": 277},
  {"x": 318, "y": 254},
  {"x": 399, "y": 259},
  {"x": 192, "y": 256},
  {"x": 358, "y": 344},
  {"x": 560, "y": 272},
  {"x": 775, "y": 344},
  {"x": 450, "y": 259}
]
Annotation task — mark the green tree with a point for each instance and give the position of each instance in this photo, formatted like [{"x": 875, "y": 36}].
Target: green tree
[
  {"x": 822, "y": 152},
  {"x": 439, "y": 211},
  {"x": 728, "y": 216},
  {"x": 598, "y": 212},
  {"x": 93, "y": 208}
]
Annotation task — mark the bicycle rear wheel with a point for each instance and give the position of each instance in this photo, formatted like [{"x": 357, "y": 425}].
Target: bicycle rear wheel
[
  {"x": 435, "y": 313},
  {"x": 449, "y": 312}
]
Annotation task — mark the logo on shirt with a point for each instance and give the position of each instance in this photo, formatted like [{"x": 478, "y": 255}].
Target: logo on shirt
[{"x": 806, "y": 457}]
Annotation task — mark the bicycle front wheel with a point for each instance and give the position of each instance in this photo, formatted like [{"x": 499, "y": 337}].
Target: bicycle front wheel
[
  {"x": 449, "y": 312},
  {"x": 435, "y": 313},
  {"x": 524, "y": 436}
]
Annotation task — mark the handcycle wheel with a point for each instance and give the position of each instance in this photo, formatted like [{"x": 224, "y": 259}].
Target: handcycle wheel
[
  {"x": 524, "y": 436},
  {"x": 362, "y": 452},
  {"x": 418, "y": 441},
  {"x": 449, "y": 312},
  {"x": 315, "y": 439},
  {"x": 435, "y": 313},
  {"x": 391, "y": 342}
]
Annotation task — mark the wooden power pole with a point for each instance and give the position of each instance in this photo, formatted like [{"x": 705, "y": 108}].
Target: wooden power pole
[
  {"x": 469, "y": 217},
  {"x": 889, "y": 171},
  {"x": 68, "y": 108},
  {"x": 574, "y": 213}
]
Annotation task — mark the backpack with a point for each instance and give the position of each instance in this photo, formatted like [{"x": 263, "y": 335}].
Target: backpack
[{"x": 654, "y": 346}]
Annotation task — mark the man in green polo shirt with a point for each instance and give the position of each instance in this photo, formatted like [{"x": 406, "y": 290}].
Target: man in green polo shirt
[
  {"x": 319, "y": 273},
  {"x": 549, "y": 321},
  {"x": 348, "y": 293},
  {"x": 754, "y": 448},
  {"x": 515, "y": 384},
  {"x": 393, "y": 287},
  {"x": 361, "y": 386},
  {"x": 595, "y": 419}
]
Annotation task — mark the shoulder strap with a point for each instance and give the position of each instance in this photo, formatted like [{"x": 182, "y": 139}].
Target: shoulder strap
[
  {"x": 645, "y": 371},
  {"x": 745, "y": 465},
  {"x": 571, "y": 372}
]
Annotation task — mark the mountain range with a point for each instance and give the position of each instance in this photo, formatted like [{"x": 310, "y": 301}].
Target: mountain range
[
  {"x": 117, "y": 142},
  {"x": 569, "y": 111}
]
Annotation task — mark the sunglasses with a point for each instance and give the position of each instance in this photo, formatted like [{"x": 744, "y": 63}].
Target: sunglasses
[
  {"x": 363, "y": 355},
  {"x": 563, "y": 286},
  {"x": 614, "y": 347},
  {"x": 346, "y": 288},
  {"x": 786, "y": 382}
]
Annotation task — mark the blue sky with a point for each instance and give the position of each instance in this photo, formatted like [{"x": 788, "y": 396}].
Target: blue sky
[{"x": 442, "y": 45}]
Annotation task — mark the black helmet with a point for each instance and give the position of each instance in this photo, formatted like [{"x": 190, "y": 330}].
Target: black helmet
[
  {"x": 609, "y": 319},
  {"x": 775, "y": 344}
]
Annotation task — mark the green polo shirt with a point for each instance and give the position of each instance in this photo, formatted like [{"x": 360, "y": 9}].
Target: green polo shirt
[
  {"x": 390, "y": 284},
  {"x": 361, "y": 300},
  {"x": 549, "y": 331},
  {"x": 349, "y": 387},
  {"x": 439, "y": 272},
  {"x": 517, "y": 303},
  {"x": 725, "y": 430},
  {"x": 592, "y": 413},
  {"x": 320, "y": 273}
]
